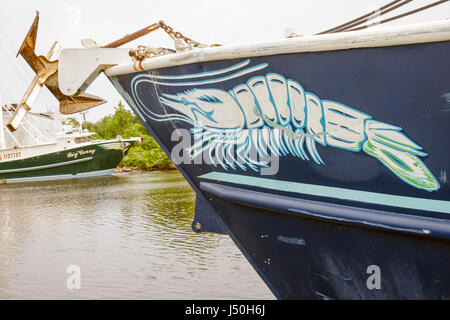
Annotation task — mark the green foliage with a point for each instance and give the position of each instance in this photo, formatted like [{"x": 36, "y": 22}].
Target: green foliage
[
  {"x": 72, "y": 121},
  {"x": 147, "y": 155}
]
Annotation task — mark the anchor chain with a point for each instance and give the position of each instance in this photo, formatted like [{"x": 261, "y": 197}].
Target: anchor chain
[
  {"x": 182, "y": 43},
  {"x": 176, "y": 36},
  {"x": 143, "y": 52}
]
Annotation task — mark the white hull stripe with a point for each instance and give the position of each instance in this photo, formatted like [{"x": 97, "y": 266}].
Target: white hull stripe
[
  {"x": 333, "y": 192},
  {"x": 369, "y": 38},
  {"x": 99, "y": 173},
  {"x": 46, "y": 166}
]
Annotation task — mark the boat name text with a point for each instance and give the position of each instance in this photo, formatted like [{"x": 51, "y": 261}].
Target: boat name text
[{"x": 80, "y": 153}]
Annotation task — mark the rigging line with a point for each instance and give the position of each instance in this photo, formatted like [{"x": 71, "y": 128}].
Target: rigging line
[
  {"x": 378, "y": 14},
  {"x": 361, "y": 17},
  {"x": 401, "y": 15}
]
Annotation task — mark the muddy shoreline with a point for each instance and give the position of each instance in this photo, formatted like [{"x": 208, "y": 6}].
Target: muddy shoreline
[{"x": 132, "y": 169}]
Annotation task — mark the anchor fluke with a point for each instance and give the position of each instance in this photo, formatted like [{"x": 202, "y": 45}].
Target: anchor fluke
[
  {"x": 46, "y": 69},
  {"x": 79, "y": 103}
]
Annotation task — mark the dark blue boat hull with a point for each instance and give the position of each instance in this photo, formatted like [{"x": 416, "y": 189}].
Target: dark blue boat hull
[{"x": 349, "y": 226}]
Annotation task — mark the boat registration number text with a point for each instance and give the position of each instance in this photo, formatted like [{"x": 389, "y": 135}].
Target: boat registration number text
[{"x": 11, "y": 155}]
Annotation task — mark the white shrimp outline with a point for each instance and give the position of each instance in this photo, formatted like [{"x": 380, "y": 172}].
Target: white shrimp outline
[{"x": 267, "y": 113}]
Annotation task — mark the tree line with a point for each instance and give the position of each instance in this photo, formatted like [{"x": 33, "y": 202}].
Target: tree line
[{"x": 146, "y": 156}]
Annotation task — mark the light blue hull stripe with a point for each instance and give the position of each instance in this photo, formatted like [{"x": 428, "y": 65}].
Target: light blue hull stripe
[{"x": 333, "y": 192}]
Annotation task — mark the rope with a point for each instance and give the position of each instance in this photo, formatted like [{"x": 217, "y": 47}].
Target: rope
[
  {"x": 364, "y": 18},
  {"x": 352, "y": 25},
  {"x": 401, "y": 15}
]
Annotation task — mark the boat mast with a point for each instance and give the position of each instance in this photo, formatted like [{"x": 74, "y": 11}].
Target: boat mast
[{"x": 83, "y": 123}]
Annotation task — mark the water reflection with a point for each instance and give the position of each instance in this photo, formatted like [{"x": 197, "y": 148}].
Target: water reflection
[{"x": 130, "y": 234}]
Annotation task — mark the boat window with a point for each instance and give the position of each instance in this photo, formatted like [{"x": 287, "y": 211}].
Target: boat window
[{"x": 82, "y": 139}]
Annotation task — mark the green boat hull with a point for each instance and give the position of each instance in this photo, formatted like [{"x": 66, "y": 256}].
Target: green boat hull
[{"x": 85, "y": 161}]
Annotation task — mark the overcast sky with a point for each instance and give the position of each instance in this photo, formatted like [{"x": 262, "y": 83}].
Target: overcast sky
[{"x": 224, "y": 22}]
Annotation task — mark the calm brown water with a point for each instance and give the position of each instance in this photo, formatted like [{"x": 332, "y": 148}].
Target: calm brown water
[{"x": 129, "y": 234}]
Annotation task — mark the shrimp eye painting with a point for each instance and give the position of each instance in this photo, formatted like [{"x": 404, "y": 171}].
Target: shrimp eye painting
[{"x": 271, "y": 113}]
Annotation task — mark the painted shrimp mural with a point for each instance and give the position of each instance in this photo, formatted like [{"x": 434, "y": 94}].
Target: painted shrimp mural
[{"x": 275, "y": 115}]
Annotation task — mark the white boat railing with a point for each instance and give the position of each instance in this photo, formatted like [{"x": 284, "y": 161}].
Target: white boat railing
[
  {"x": 10, "y": 109},
  {"x": 5, "y": 129}
]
